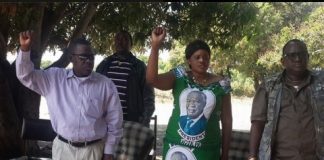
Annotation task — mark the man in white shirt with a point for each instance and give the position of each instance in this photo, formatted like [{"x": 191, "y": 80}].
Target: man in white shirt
[{"x": 84, "y": 106}]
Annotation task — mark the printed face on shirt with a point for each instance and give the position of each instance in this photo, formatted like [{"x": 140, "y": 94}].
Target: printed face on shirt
[
  {"x": 177, "y": 152},
  {"x": 178, "y": 156},
  {"x": 82, "y": 60},
  {"x": 196, "y": 102}
]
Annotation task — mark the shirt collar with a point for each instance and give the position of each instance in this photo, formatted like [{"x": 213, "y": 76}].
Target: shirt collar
[
  {"x": 70, "y": 74},
  {"x": 305, "y": 82},
  {"x": 123, "y": 55},
  {"x": 196, "y": 119}
]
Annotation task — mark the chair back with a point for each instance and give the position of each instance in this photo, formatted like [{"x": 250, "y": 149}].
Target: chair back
[
  {"x": 37, "y": 129},
  {"x": 136, "y": 143}
]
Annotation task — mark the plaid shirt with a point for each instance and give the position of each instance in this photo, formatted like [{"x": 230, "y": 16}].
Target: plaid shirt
[
  {"x": 136, "y": 143},
  {"x": 239, "y": 148}
]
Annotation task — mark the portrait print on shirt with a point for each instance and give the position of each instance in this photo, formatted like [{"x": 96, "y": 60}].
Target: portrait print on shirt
[
  {"x": 180, "y": 153},
  {"x": 195, "y": 109}
]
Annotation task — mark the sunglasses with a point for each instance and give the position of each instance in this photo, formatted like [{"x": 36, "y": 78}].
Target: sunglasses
[
  {"x": 85, "y": 57},
  {"x": 294, "y": 55}
]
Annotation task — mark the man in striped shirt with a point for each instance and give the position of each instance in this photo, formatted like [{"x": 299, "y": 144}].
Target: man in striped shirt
[{"x": 128, "y": 74}]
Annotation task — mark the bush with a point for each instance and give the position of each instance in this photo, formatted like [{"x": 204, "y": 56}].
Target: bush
[{"x": 242, "y": 85}]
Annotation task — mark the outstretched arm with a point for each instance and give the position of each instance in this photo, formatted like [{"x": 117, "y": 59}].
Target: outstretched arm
[
  {"x": 36, "y": 80},
  {"x": 161, "y": 81}
]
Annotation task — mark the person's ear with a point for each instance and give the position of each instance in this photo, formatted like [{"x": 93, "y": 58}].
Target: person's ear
[
  {"x": 68, "y": 54},
  {"x": 70, "y": 57},
  {"x": 188, "y": 64},
  {"x": 282, "y": 61}
]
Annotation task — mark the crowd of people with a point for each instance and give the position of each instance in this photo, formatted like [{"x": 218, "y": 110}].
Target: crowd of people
[{"x": 87, "y": 108}]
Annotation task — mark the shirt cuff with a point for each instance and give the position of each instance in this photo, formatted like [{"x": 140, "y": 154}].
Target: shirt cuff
[
  {"x": 24, "y": 55},
  {"x": 258, "y": 118}
]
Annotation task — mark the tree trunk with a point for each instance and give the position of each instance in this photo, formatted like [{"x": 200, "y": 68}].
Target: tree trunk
[
  {"x": 82, "y": 26},
  {"x": 28, "y": 101},
  {"x": 11, "y": 145},
  {"x": 4, "y": 29},
  {"x": 17, "y": 101},
  {"x": 256, "y": 83}
]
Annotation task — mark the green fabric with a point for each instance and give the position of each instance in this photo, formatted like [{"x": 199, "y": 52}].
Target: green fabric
[{"x": 199, "y": 145}]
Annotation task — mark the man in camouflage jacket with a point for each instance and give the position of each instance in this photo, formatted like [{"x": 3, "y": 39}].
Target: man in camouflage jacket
[{"x": 288, "y": 111}]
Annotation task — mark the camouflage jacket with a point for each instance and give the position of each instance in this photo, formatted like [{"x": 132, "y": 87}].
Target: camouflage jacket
[{"x": 274, "y": 89}]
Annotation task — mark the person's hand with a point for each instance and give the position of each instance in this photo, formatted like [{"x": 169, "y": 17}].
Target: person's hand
[
  {"x": 158, "y": 35},
  {"x": 108, "y": 157},
  {"x": 25, "y": 40}
]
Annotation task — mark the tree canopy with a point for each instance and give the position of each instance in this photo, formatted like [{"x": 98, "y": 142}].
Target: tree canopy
[{"x": 246, "y": 39}]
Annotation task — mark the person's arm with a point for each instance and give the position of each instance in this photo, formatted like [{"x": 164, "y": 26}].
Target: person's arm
[
  {"x": 226, "y": 119},
  {"x": 36, "y": 80},
  {"x": 161, "y": 81},
  {"x": 108, "y": 157},
  {"x": 255, "y": 137},
  {"x": 149, "y": 104},
  {"x": 114, "y": 120},
  {"x": 258, "y": 119}
]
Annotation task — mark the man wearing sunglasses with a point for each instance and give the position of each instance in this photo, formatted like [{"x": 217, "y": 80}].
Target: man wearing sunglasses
[
  {"x": 84, "y": 106},
  {"x": 288, "y": 111}
]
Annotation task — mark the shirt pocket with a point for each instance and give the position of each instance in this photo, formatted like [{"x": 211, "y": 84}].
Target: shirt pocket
[{"x": 93, "y": 107}]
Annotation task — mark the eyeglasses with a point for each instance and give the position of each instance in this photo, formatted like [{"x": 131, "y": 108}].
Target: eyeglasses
[
  {"x": 85, "y": 57},
  {"x": 295, "y": 55}
]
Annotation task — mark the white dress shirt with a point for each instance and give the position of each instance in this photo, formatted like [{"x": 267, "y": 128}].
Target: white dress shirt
[{"x": 80, "y": 109}]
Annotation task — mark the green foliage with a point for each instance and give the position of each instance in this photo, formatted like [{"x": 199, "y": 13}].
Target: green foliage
[
  {"x": 242, "y": 85},
  {"x": 217, "y": 23},
  {"x": 246, "y": 38},
  {"x": 163, "y": 65},
  {"x": 312, "y": 32},
  {"x": 45, "y": 64},
  {"x": 177, "y": 55},
  {"x": 258, "y": 52},
  {"x": 138, "y": 18}
]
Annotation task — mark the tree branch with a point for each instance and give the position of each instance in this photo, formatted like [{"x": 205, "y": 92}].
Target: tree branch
[{"x": 79, "y": 30}]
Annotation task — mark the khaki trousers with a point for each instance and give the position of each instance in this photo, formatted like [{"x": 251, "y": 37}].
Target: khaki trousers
[{"x": 65, "y": 151}]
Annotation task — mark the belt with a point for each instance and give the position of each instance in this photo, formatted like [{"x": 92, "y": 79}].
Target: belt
[{"x": 77, "y": 144}]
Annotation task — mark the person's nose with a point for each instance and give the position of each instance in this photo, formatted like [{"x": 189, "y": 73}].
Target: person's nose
[
  {"x": 297, "y": 58},
  {"x": 89, "y": 61}
]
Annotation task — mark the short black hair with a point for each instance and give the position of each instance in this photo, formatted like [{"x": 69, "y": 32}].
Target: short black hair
[
  {"x": 125, "y": 33},
  {"x": 195, "y": 45},
  {"x": 77, "y": 41},
  {"x": 297, "y": 41}
]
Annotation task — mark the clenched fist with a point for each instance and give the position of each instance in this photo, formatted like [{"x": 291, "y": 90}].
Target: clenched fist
[
  {"x": 25, "y": 40},
  {"x": 158, "y": 35}
]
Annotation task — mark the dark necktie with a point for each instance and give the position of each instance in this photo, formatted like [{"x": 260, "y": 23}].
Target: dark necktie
[{"x": 187, "y": 127}]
